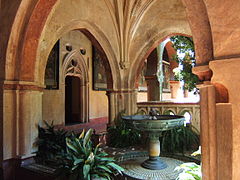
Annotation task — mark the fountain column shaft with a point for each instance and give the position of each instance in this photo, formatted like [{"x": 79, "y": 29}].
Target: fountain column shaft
[{"x": 154, "y": 147}]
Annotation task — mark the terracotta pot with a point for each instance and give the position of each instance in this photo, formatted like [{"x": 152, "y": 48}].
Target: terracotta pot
[
  {"x": 185, "y": 93},
  {"x": 174, "y": 87}
]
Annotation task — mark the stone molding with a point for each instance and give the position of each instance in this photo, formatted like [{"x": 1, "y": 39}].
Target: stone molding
[
  {"x": 18, "y": 85},
  {"x": 121, "y": 91}
]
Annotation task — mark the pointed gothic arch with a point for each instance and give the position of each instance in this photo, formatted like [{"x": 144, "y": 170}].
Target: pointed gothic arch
[{"x": 75, "y": 66}]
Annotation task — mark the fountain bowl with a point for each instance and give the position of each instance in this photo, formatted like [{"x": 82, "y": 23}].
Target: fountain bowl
[{"x": 156, "y": 123}]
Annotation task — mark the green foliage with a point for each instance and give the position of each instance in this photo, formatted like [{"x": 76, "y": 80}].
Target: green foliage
[
  {"x": 179, "y": 139},
  {"x": 189, "y": 171},
  {"x": 185, "y": 45},
  {"x": 121, "y": 135},
  {"x": 51, "y": 144},
  {"x": 84, "y": 161}
]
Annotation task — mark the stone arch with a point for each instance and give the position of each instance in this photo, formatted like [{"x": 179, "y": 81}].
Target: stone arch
[
  {"x": 146, "y": 50},
  {"x": 202, "y": 41},
  {"x": 97, "y": 38},
  {"x": 27, "y": 35},
  {"x": 74, "y": 65},
  {"x": 33, "y": 40},
  {"x": 26, "y": 69}
]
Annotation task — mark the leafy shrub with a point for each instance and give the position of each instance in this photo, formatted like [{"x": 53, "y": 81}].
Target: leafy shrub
[
  {"x": 189, "y": 171},
  {"x": 179, "y": 139},
  {"x": 51, "y": 144},
  {"x": 84, "y": 161},
  {"x": 121, "y": 135}
]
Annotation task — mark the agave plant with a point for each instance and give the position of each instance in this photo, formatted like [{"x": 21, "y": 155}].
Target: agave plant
[{"x": 85, "y": 162}]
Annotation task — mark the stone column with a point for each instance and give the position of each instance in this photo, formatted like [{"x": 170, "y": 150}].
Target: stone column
[
  {"x": 224, "y": 141},
  {"x": 84, "y": 102},
  {"x": 1, "y": 127},
  {"x": 30, "y": 114},
  {"x": 153, "y": 89},
  {"x": 208, "y": 132},
  {"x": 153, "y": 93},
  {"x": 121, "y": 101},
  {"x": 22, "y": 113}
]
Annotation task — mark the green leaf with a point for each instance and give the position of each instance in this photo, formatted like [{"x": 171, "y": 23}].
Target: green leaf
[
  {"x": 104, "y": 168},
  {"x": 105, "y": 158},
  {"x": 86, "y": 170},
  {"x": 77, "y": 161},
  {"x": 82, "y": 134},
  {"x": 71, "y": 146},
  {"x": 87, "y": 137},
  {"x": 116, "y": 167},
  {"x": 104, "y": 175},
  {"x": 96, "y": 148}
]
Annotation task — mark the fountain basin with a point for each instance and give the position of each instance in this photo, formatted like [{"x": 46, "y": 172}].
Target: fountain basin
[
  {"x": 154, "y": 125},
  {"x": 157, "y": 123}
]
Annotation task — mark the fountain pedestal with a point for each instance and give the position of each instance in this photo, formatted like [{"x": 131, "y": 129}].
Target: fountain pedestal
[{"x": 154, "y": 162}]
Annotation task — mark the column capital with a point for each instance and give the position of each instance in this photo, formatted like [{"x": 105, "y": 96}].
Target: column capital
[{"x": 203, "y": 72}]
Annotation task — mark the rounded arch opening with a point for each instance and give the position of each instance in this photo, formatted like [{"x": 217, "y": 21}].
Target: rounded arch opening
[{"x": 164, "y": 63}]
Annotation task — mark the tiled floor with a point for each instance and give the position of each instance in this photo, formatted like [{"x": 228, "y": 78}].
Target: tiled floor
[{"x": 129, "y": 158}]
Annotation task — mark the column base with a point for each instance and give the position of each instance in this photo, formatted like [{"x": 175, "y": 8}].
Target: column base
[{"x": 154, "y": 163}]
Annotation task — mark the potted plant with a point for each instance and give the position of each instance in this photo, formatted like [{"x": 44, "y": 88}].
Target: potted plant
[{"x": 175, "y": 84}]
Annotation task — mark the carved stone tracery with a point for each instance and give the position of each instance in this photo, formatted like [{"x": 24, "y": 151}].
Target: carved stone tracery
[{"x": 74, "y": 65}]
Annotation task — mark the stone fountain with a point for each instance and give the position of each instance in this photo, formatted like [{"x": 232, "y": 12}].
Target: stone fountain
[{"x": 154, "y": 125}]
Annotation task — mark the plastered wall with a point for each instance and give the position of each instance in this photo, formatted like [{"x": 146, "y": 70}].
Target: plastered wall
[{"x": 54, "y": 100}]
